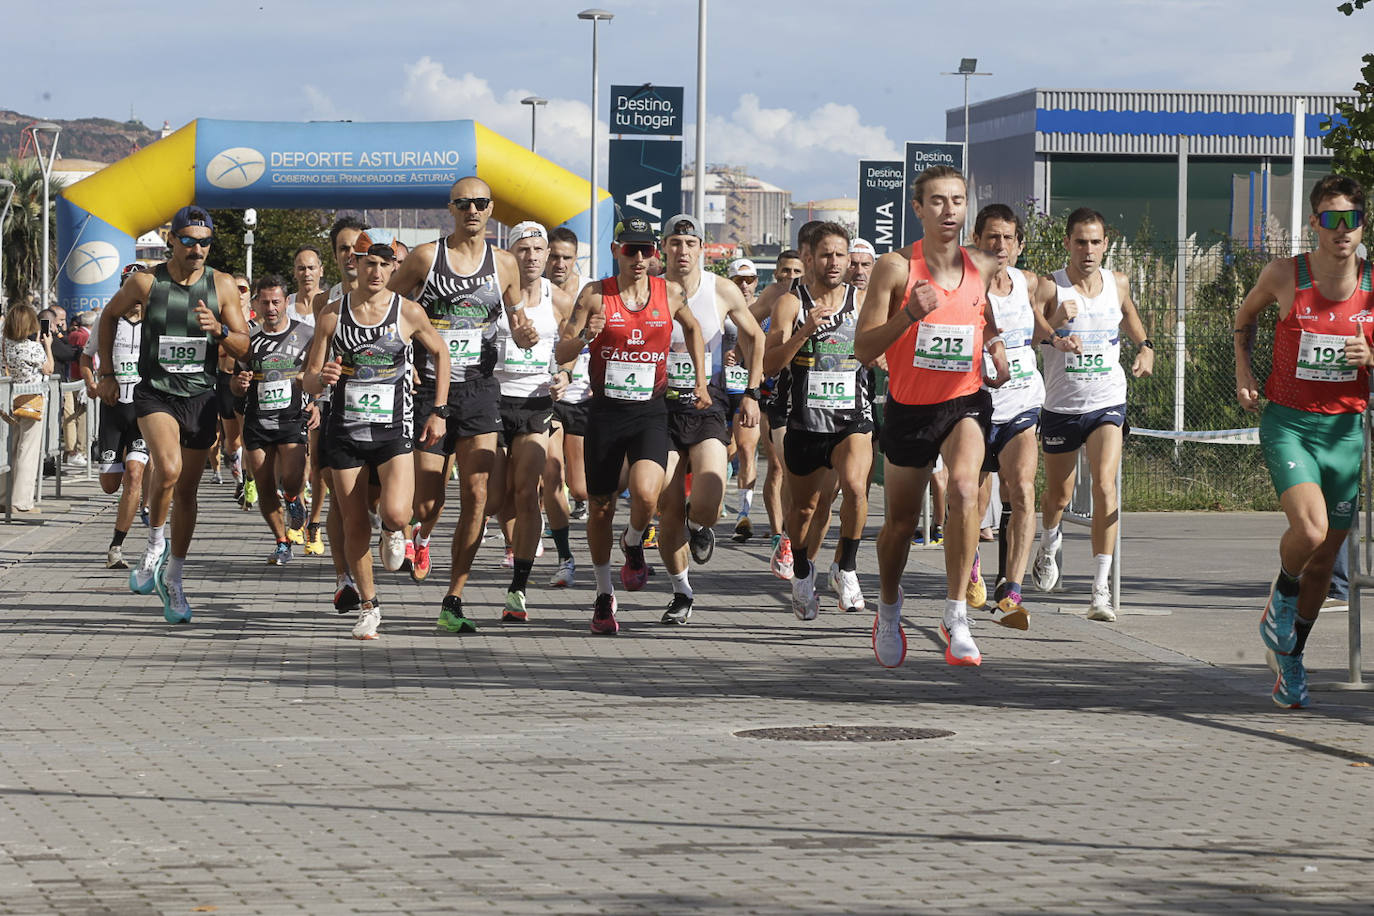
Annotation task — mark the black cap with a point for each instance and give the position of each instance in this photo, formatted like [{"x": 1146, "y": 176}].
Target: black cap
[
  {"x": 636, "y": 231},
  {"x": 192, "y": 216}
]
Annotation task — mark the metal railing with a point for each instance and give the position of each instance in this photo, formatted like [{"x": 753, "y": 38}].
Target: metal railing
[{"x": 1360, "y": 576}]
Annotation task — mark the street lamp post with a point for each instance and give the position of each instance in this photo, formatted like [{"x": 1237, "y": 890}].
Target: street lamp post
[
  {"x": 699, "y": 179},
  {"x": 7, "y": 192},
  {"x": 250, "y": 222},
  {"x": 968, "y": 66},
  {"x": 596, "y": 16},
  {"x": 534, "y": 102},
  {"x": 46, "y": 166}
]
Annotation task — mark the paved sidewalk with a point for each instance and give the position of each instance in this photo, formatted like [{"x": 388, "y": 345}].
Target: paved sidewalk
[{"x": 260, "y": 761}]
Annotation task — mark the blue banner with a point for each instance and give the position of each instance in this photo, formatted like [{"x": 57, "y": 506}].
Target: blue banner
[
  {"x": 88, "y": 274},
  {"x": 921, "y": 155},
  {"x": 646, "y": 109},
  {"x": 882, "y": 202},
  {"x": 646, "y": 178}
]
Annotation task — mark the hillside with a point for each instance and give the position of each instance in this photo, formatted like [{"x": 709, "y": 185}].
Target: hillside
[{"x": 86, "y": 138}]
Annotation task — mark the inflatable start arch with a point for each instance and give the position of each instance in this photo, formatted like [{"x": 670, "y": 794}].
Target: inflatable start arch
[{"x": 323, "y": 165}]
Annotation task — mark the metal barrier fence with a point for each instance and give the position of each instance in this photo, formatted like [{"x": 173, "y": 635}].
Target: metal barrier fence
[
  {"x": 1361, "y": 574},
  {"x": 6, "y": 398},
  {"x": 52, "y": 388}
]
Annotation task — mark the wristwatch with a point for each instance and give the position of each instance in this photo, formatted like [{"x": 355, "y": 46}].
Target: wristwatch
[
  {"x": 751, "y": 393},
  {"x": 1147, "y": 342},
  {"x": 223, "y": 332},
  {"x": 444, "y": 411}
]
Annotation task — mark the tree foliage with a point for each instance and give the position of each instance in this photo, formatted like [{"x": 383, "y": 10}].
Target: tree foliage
[
  {"x": 22, "y": 235},
  {"x": 1352, "y": 143},
  {"x": 279, "y": 234}
]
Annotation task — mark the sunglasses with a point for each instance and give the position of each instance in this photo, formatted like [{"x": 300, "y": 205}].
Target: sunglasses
[
  {"x": 1340, "y": 219},
  {"x": 191, "y": 241},
  {"x": 630, "y": 251},
  {"x": 477, "y": 203}
]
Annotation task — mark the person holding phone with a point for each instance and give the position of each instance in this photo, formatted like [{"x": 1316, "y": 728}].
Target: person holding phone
[{"x": 27, "y": 357}]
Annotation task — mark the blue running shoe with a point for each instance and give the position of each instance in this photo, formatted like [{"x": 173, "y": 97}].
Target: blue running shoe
[
  {"x": 295, "y": 513},
  {"x": 1290, "y": 688},
  {"x": 1277, "y": 625},
  {"x": 282, "y": 555},
  {"x": 142, "y": 579},
  {"x": 173, "y": 595}
]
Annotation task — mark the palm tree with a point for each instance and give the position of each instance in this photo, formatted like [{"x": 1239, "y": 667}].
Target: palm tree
[{"x": 22, "y": 235}]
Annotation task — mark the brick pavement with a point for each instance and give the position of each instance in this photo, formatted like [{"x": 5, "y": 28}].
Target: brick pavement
[{"x": 259, "y": 761}]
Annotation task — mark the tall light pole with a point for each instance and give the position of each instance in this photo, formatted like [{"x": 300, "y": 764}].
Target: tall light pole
[
  {"x": 46, "y": 166},
  {"x": 6, "y": 192},
  {"x": 596, "y": 16},
  {"x": 250, "y": 222},
  {"x": 534, "y": 102},
  {"x": 699, "y": 179},
  {"x": 968, "y": 66}
]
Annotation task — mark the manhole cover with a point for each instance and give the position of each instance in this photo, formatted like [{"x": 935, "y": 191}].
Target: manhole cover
[{"x": 844, "y": 733}]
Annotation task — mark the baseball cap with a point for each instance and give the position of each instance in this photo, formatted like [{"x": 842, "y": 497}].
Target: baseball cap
[
  {"x": 635, "y": 231},
  {"x": 862, "y": 246},
  {"x": 192, "y": 216},
  {"x": 674, "y": 226},
  {"x": 527, "y": 230},
  {"x": 376, "y": 242},
  {"x": 741, "y": 267}
]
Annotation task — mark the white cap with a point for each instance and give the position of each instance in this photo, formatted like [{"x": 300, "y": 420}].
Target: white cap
[
  {"x": 527, "y": 230},
  {"x": 862, "y": 246},
  {"x": 741, "y": 267}
]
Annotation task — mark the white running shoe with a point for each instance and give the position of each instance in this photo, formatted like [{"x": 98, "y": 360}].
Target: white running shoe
[
  {"x": 1045, "y": 571},
  {"x": 178, "y": 609},
  {"x": 369, "y": 618},
  {"x": 889, "y": 639},
  {"x": 564, "y": 577},
  {"x": 960, "y": 649},
  {"x": 1101, "y": 607},
  {"x": 805, "y": 604},
  {"x": 393, "y": 549},
  {"x": 849, "y": 598},
  {"x": 114, "y": 558}
]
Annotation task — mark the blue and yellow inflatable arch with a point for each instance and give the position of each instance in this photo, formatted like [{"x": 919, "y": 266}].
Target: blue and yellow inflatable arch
[{"x": 325, "y": 165}]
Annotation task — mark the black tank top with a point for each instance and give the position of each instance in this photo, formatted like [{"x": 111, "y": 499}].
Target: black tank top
[
  {"x": 275, "y": 399},
  {"x": 463, "y": 309},
  {"x": 372, "y": 400},
  {"x": 829, "y": 387}
]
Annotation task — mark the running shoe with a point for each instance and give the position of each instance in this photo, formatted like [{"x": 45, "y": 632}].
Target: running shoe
[
  {"x": 346, "y": 597},
  {"x": 1277, "y": 625},
  {"x": 1045, "y": 571},
  {"x": 143, "y": 577},
  {"x": 651, "y": 537},
  {"x": 603, "y": 616},
  {"x": 238, "y": 490},
  {"x": 451, "y": 616},
  {"x": 282, "y": 555},
  {"x": 509, "y": 561},
  {"x": 419, "y": 566},
  {"x": 702, "y": 542},
  {"x": 579, "y": 510},
  {"x": 217, "y": 477},
  {"x": 295, "y": 535},
  {"x": 960, "y": 648},
  {"x": 744, "y": 529},
  {"x": 564, "y": 577},
  {"x": 889, "y": 639},
  {"x": 919, "y": 537},
  {"x": 515, "y": 608},
  {"x": 175, "y": 608},
  {"x": 295, "y": 515},
  {"x": 539, "y": 548},
  {"x": 977, "y": 591},
  {"x": 849, "y": 598},
  {"x": 408, "y": 561},
  {"x": 781, "y": 560},
  {"x": 369, "y": 618},
  {"x": 114, "y": 558},
  {"x": 679, "y": 610},
  {"x": 937, "y": 536},
  {"x": 1009, "y": 613},
  {"x": 1290, "y": 687},
  {"x": 314, "y": 542},
  {"x": 392, "y": 546},
  {"x": 635, "y": 572},
  {"x": 143, "y": 516},
  {"x": 805, "y": 604},
  {"x": 1101, "y": 606},
  {"x": 250, "y": 494}
]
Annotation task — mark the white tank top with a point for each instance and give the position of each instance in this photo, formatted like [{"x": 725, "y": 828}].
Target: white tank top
[
  {"x": 580, "y": 388},
  {"x": 1015, "y": 315},
  {"x": 1092, "y": 380},
  {"x": 525, "y": 373},
  {"x": 302, "y": 317},
  {"x": 703, "y": 306}
]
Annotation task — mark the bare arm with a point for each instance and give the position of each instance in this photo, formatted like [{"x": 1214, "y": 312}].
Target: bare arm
[
  {"x": 782, "y": 344},
  {"x": 409, "y": 278},
  {"x": 1144, "y": 364},
  {"x": 580, "y": 327},
  {"x": 317, "y": 376},
  {"x": 881, "y": 321},
  {"x": 1272, "y": 284},
  {"x": 127, "y": 298}
]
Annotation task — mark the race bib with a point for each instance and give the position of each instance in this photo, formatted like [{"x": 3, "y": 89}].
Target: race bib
[
  {"x": 630, "y": 381},
  {"x": 1095, "y": 360},
  {"x": 369, "y": 403},
  {"x": 181, "y": 355},
  {"x": 830, "y": 390},
  {"x": 527, "y": 362},
  {"x": 681, "y": 372},
  {"x": 736, "y": 379},
  {"x": 464, "y": 346},
  {"x": 944, "y": 347},
  {"x": 126, "y": 370},
  {"x": 1321, "y": 358},
  {"x": 579, "y": 372},
  {"x": 1021, "y": 362},
  {"x": 274, "y": 395}
]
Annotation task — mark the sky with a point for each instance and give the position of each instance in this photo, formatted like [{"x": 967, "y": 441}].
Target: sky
[{"x": 796, "y": 91}]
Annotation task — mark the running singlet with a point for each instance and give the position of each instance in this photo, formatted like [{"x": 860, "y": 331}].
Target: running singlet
[
  {"x": 939, "y": 358},
  {"x": 275, "y": 399},
  {"x": 1309, "y": 371},
  {"x": 124, "y": 352},
  {"x": 372, "y": 400},
  {"x": 525, "y": 373},
  {"x": 629, "y": 357},
  {"x": 294, "y": 311},
  {"x": 463, "y": 308},
  {"x": 579, "y": 387},
  {"x": 830, "y": 389},
  {"x": 682, "y": 375},
  {"x": 1078, "y": 383},
  {"x": 736, "y": 377},
  {"x": 1015, "y": 315},
  {"x": 176, "y": 357}
]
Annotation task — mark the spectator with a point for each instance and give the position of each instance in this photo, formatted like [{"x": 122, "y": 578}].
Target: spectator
[{"x": 27, "y": 357}]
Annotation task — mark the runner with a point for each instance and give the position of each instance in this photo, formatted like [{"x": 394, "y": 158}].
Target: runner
[
  {"x": 462, "y": 281},
  {"x": 1085, "y": 397},
  {"x": 628, "y": 320},
  {"x": 926, "y": 309},
  {"x": 1311, "y": 429},
  {"x": 231, "y": 409},
  {"x": 123, "y": 453},
  {"x": 182, "y": 334},
  {"x": 275, "y": 411},
  {"x": 697, "y": 434},
  {"x": 565, "y": 477},
  {"x": 1012, "y": 451},
  {"x": 526, "y": 408},
  {"x": 744, "y": 440},
  {"x": 370, "y": 334},
  {"x": 308, "y": 269},
  {"x": 830, "y": 422}
]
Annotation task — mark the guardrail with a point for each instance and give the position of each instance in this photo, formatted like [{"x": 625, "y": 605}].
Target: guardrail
[
  {"x": 1360, "y": 574},
  {"x": 52, "y": 388}
]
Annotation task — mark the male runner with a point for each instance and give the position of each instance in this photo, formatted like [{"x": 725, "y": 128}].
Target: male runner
[
  {"x": 370, "y": 334},
  {"x": 231, "y": 408},
  {"x": 275, "y": 410},
  {"x": 744, "y": 440},
  {"x": 926, "y": 309},
  {"x": 1311, "y": 429},
  {"x": 1085, "y": 396},
  {"x": 830, "y": 420},
  {"x": 697, "y": 435},
  {"x": 462, "y": 281},
  {"x": 627, "y": 319},
  {"x": 123, "y": 453},
  {"x": 308, "y": 269},
  {"x": 183, "y": 331}
]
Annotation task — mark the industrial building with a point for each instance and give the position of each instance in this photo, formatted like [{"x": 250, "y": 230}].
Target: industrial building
[{"x": 740, "y": 210}]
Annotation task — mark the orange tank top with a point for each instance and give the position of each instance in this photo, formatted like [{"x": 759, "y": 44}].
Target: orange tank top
[
  {"x": 940, "y": 357},
  {"x": 1309, "y": 371}
]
